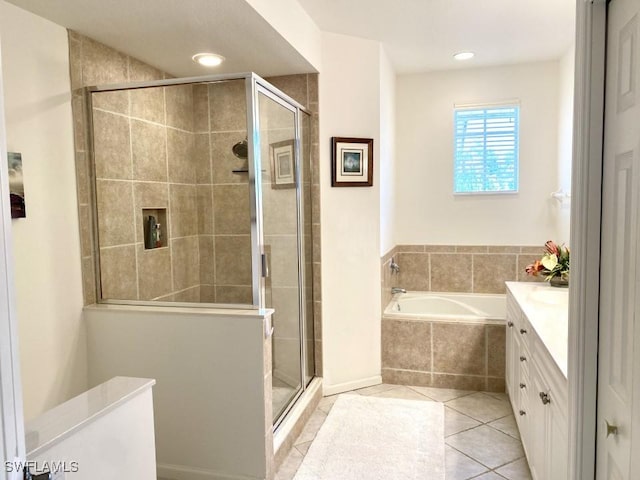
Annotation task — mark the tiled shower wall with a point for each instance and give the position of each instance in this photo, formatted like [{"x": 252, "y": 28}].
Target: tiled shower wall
[
  {"x": 449, "y": 355},
  {"x": 92, "y": 63}
]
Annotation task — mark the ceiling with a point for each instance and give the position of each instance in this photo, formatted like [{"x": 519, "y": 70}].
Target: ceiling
[
  {"x": 419, "y": 35},
  {"x": 167, "y": 33},
  {"x": 422, "y": 35}
]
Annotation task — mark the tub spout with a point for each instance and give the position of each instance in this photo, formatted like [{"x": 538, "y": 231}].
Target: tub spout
[{"x": 395, "y": 290}]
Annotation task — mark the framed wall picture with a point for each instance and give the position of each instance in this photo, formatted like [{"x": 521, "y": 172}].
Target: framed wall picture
[
  {"x": 351, "y": 162},
  {"x": 283, "y": 165},
  {"x": 16, "y": 185}
]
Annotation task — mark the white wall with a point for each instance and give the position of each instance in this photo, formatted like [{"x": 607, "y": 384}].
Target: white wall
[
  {"x": 294, "y": 24},
  {"x": 387, "y": 163},
  {"x": 565, "y": 141},
  {"x": 427, "y": 211},
  {"x": 350, "y": 107},
  {"x": 47, "y": 246}
]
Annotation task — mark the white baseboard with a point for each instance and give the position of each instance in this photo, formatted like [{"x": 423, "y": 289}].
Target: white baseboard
[
  {"x": 182, "y": 472},
  {"x": 348, "y": 386}
]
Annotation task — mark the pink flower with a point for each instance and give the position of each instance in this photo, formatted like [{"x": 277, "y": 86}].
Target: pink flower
[
  {"x": 534, "y": 268},
  {"x": 552, "y": 248}
]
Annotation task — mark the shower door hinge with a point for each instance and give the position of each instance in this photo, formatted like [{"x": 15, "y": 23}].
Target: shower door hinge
[{"x": 265, "y": 266}]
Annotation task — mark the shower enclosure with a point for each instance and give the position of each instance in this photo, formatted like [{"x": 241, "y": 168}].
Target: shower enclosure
[{"x": 202, "y": 198}]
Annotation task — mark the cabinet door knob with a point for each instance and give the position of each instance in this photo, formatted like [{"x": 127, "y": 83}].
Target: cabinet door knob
[
  {"x": 522, "y": 413},
  {"x": 510, "y": 324},
  {"x": 546, "y": 400},
  {"x": 611, "y": 429},
  {"x": 522, "y": 385},
  {"x": 523, "y": 358},
  {"x": 523, "y": 331}
]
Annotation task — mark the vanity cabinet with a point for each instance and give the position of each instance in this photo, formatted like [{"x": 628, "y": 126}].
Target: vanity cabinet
[{"x": 536, "y": 377}]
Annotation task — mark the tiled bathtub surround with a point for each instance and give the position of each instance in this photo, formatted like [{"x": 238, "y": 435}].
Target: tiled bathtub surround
[
  {"x": 448, "y": 355},
  {"x": 457, "y": 268},
  {"x": 443, "y": 355}
]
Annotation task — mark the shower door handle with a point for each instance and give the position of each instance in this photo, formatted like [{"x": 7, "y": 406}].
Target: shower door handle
[{"x": 265, "y": 266}]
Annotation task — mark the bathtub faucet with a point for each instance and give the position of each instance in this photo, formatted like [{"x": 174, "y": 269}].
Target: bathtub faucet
[{"x": 395, "y": 290}]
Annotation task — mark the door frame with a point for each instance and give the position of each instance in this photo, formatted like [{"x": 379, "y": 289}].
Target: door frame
[
  {"x": 12, "y": 439},
  {"x": 584, "y": 289}
]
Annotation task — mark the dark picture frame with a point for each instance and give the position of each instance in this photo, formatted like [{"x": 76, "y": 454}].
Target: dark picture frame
[
  {"x": 351, "y": 162},
  {"x": 283, "y": 164}
]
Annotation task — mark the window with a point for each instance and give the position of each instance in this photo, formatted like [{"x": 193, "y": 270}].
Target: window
[{"x": 486, "y": 149}]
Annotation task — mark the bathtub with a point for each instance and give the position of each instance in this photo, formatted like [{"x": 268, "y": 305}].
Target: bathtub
[
  {"x": 445, "y": 340},
  {"x": 449, "y": 307}
]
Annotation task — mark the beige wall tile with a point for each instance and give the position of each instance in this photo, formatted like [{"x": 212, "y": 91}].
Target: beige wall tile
[
  {"x": 191, "y": 295},
  {"x": 88, "y": 280},
  {"x": 459, "y": 382},
  {"x": 459, "y": 348},
  {"x": 86, "y": 231},
  {"x": 496, "y": 385},
  {"x": 118, "y": 273},
  {"x": 180, "y": 156},
  {"x": 279, "y": 211},
  {"x": 142, "y": 72},
  {"x": 496, "y": 341},
  {"x": 317, "y": 246},
  {"x": 414, "y": 272},
  {"x": 75, "y": 60},
  {"x": 116, "y": 101},
  {"x": 184, "y": 211},
  {"x": 293, "y": 85},
  {"x": 231, "y": 209},
  {"x": 406, "y": 345},
  {"x": 283, "y": 263},
  {"x": 151, "y": 196},
  {"x": 185, "y": 261},
  {"x": 207, "y": 260},
  {"x": 440, "y": 248},
  {"x": 201, "y": 108},
  {"x": 228, "y": 106},
  {"x": 523, "y": 261},
  {"x": 154, "y": 272},
  {"x": 450, "y": 272},
  {"x": 207, "y": 294},
  {"x": 410, "y": 248},
  {"x": 115, "y": 213},
  {"x": 112, "y": 146},
  {"x": 205, "y": 209},
  {"x": 405, "y": 377},
  {"x": 148, "y": 104},
  {"x": 312, "y": 85},
  {"x": 149, "y": 151},
  {"x": 533, "y": 250},
  {"x": 285, "y": 319},
  {"x": 179, "y": 106},
  {"x": 503, "y": 249},
  {"x": 239, "y": 295},
  {"x": 79, "y": 123},
  {"x": 223, "y": 161},
  {"x": 317, "y": 282},
  {"x": 315, "y": 204},
  {"x": 202, "y": 159},
  {"x": 471, "y": 249},
  {"x": 233, "y": 260},
  {"x": 102, "y": 65},
  {"x": 491, "y": 271},
  {"x": 317, "y": 320},
  {"x": 82, "y": 178}
]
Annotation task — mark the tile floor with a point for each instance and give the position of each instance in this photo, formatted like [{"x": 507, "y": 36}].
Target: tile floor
[{"x": 481, "y": 436}]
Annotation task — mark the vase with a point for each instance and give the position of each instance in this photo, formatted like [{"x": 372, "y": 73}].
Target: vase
[{"x": 559, "y": 282}]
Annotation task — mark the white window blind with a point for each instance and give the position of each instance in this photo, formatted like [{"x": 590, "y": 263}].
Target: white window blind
[{"x": 486, "y": 149}]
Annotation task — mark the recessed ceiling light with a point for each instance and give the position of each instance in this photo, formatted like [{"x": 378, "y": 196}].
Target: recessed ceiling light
[
  {"x": 463, "y": 55},
  {"x": 208, "y": 59}
]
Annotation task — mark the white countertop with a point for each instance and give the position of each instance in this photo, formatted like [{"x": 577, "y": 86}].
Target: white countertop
[
  {"x": 58, "y": 423},
  {"x": 547, "y": 309}
]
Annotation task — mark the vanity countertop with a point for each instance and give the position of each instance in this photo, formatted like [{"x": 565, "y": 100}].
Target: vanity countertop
[{"x": 547, "y": 309}]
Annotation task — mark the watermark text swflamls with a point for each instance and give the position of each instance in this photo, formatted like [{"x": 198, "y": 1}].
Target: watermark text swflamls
[{"x": 45, "y": 466}]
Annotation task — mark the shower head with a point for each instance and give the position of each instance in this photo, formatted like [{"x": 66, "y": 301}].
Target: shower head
[{"x": 241, "y": 149}]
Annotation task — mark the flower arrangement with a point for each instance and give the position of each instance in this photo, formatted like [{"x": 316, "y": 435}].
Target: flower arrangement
[{"x": 554, "y": 264}]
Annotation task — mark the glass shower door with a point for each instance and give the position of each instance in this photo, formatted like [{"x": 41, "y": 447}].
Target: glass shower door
[{"x": 281, "y": 245}]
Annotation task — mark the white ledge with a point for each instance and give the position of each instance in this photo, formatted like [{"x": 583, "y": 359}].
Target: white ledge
[
  {"x": 206, "y": 311},
  {"x": 60, "y": 422}
]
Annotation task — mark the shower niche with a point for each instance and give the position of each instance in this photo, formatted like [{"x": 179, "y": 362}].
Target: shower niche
[{"x": 200, "y": 184}]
